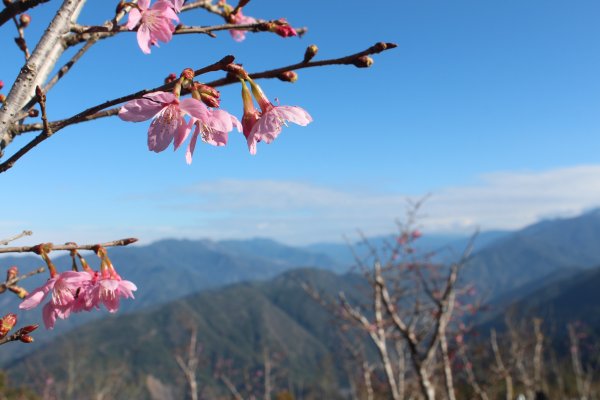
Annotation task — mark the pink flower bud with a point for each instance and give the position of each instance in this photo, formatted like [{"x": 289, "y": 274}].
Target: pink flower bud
[
  {"x": 416, "y": 234},
  {"x": 24, "y": 20},
  {"x": 310, "y": 52},
  {"x": 282, "y": 28},
  {"x": 205, "y": 89},
  {"x": 1, "y": 84},
  {"x": 288, "y": 76},
  {"x": 2, "y": 98},
  {"x": 209, "y": 100}
]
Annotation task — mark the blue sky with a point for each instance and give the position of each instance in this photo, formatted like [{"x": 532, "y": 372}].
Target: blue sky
[{"x": 489, "y": 107}]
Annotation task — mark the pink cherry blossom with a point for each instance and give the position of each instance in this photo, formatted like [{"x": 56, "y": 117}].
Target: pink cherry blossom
[
  {"x": 212, "y": 125},
  {"x": 168, "y": 112},
  {"x": 269, "y": 125},
  {"x": 240, "y": 19},
  {"x": 155, "y": 23},
  {"x": 109, "y": 290},
  {"x": 65, "y": 288}
]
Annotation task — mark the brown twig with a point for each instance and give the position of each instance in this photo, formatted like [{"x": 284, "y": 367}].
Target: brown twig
[
  {"x": 72, "y": 246},
  {"x": 6, "y": 285},
  {"x": 4, "y": 242}
]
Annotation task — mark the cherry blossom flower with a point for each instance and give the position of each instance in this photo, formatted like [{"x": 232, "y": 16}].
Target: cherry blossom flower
[
  {"x": 239, "y": 19},
  {"x": 167, "y": 111},
  {"x": 212, "y": 126},
  {"x": 155, "y": 23},
  {"x": 282, "y": 28},
  {"x": 64, "y": 288},
  {"x": 109, "y": 289},
  {"x": 272, "y": 118}
]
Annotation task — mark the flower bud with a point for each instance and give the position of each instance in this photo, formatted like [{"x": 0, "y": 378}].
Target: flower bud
[
  {"x": 205, "y": 89},
  {"x": 7, "y": 323},
  {"x": 12, "y": 273},
  {"x": 187, "y": 73},
  {"x": 25, "y": 338},
  {"x": 33, "y": 113},
  {"x": 236, "y": 70},
  {"x": 1, "y": 84},
  {"x": 288, "y": 76},
  {"x": 28, "y": 329},
  {"x": 2, "y": 98},
  {"x": 363, "y": 62},
  {"x": 282, "y": 28},
  {"x": 209, "y": 100},
  {"x": 24, "y": 20},
  {"x": 310, "y": 52},
  {"x": 170, "y": 78}
]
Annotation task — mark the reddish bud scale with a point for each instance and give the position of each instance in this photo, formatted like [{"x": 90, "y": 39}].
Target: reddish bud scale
[
  {"x": 26, "y": 339},
  {"x": 28, "y": 329},
  {"x": 2, "y": 98},
  {"x": 33, "y": 113},
  {"x": 1, "y": 85}
]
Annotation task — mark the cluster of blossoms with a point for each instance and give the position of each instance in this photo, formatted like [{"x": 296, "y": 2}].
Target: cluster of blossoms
[
  {"x": 156, "y": 23},
  {"x": 75, "y": 291},
  {"x": 212, "y": 125}
]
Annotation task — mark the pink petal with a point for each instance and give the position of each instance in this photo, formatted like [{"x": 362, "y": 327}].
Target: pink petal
[
  {"x": 192, "y": 145},
  {"x": 133, "y": 19},
  {"x": 143, "y": 4},
  {"x": 143, "y": 38},
  {"x": 182, "y": 134},
  {"x": 195, "y": 108},
  {"x": 49, "y": 316},
  {"x": 294, "y": 114}
]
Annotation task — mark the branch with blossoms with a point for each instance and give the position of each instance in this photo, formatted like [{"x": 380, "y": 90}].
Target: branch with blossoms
[
  {"x": 152, "y": 23},
  {"x": 360, "y": 59}
]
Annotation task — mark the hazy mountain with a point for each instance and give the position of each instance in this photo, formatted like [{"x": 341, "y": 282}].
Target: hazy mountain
[
  {"x": 535, "y": 252},
  {"x": 572, "y": 299},
  {"x": 170, "y": 269},
  {"x": 236, "y": 323}
]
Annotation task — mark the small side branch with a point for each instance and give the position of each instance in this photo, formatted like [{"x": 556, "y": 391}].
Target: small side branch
[{"x": 4, "y": 242}]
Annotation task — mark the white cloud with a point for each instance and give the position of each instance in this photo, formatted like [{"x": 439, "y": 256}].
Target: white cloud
[{"x": 302, "y": 212}]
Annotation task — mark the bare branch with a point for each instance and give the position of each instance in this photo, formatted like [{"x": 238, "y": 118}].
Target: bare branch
[
  {"x": 72, "y": 246},
  {"x": 17, "y": 7},
  {"x": 4, "y": 242}
]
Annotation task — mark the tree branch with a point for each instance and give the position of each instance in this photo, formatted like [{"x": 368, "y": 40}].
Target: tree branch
[
  {"x": 18, "y": 7},
  {"x": 71, "y": 246}
]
